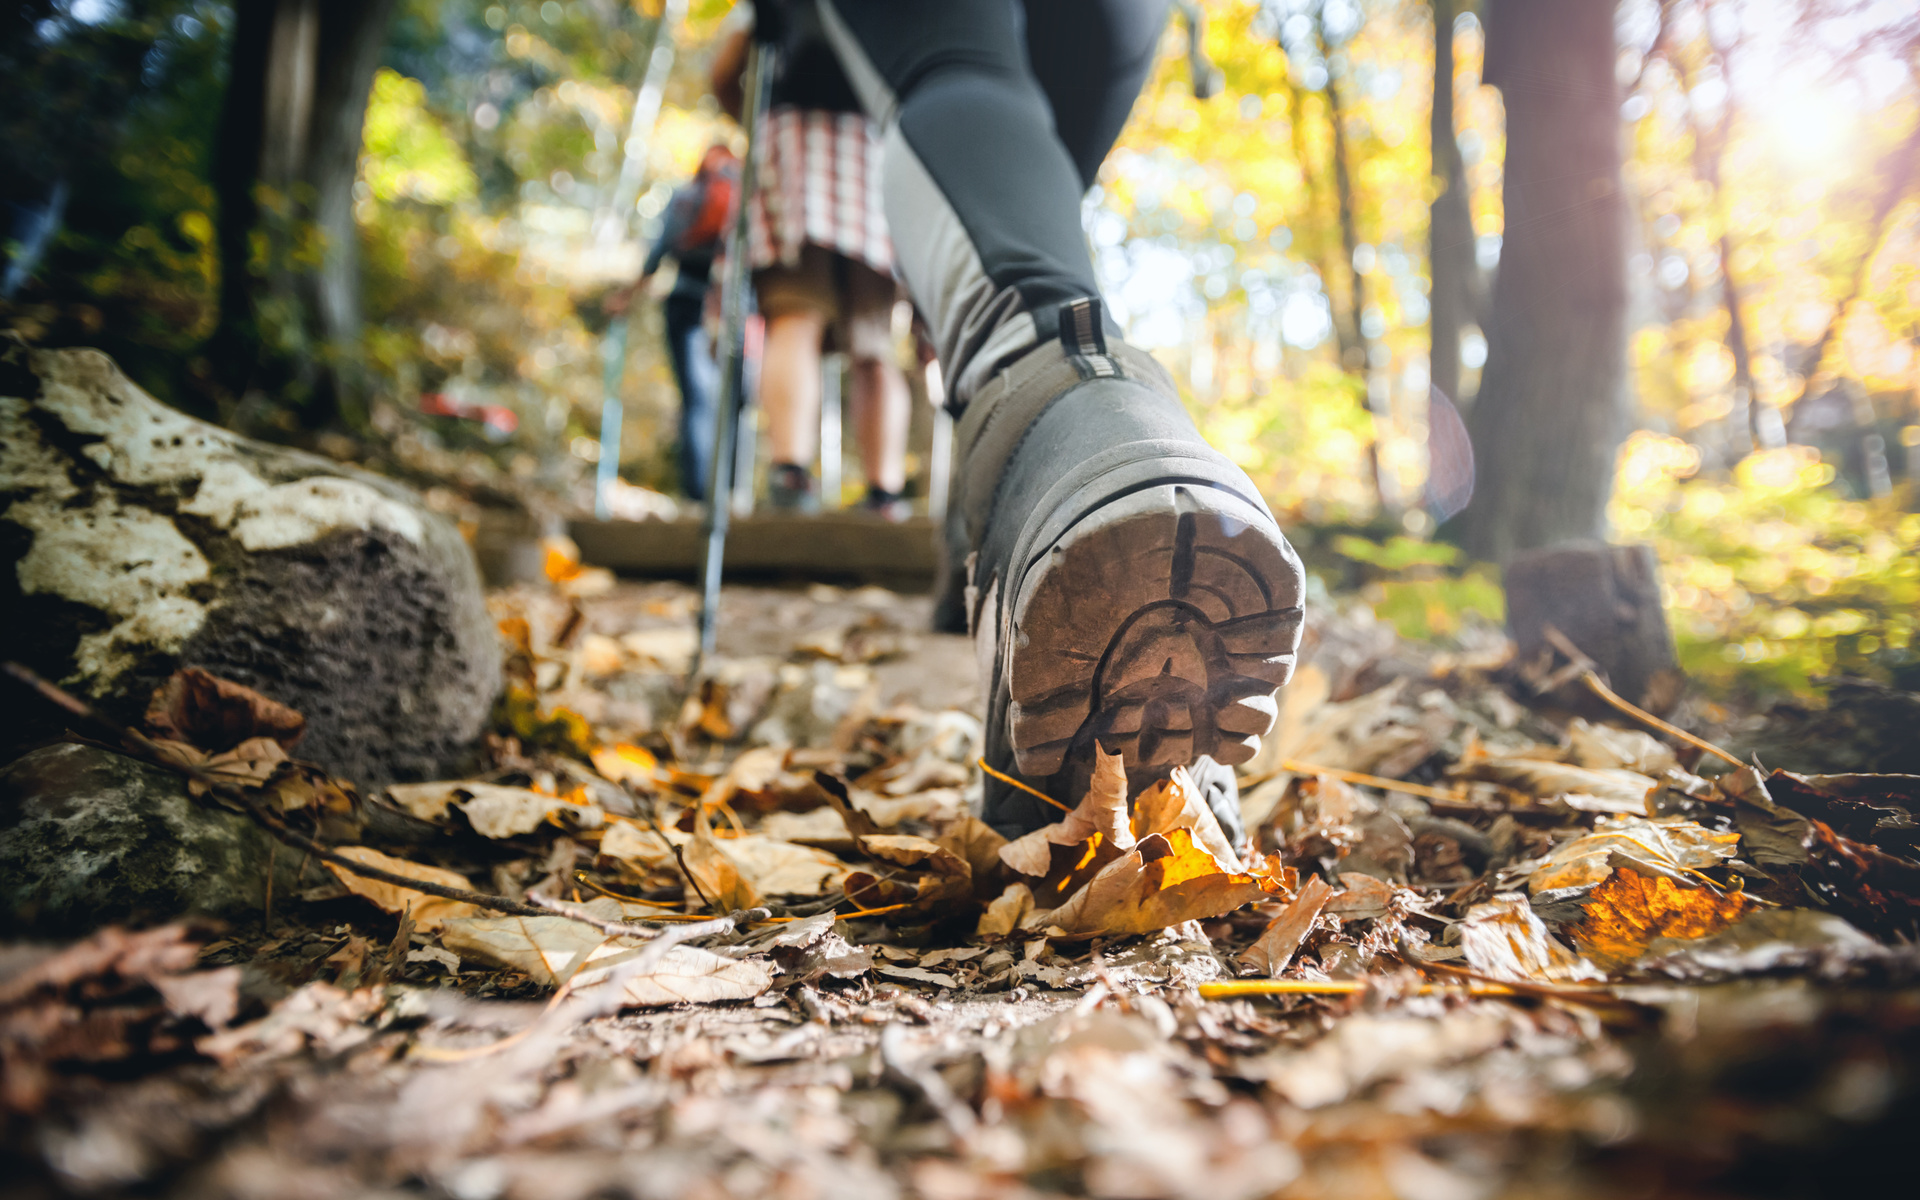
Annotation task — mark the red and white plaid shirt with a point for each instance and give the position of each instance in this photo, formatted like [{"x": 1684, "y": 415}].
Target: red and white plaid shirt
[{"x": 819, "y": 182}]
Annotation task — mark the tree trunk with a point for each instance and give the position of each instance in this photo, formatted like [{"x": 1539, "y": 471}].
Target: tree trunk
[
  {"x": 1552, "y": 405},
  {"x": 1450, "y": 220},
  {"x": 289, "y": 149}
]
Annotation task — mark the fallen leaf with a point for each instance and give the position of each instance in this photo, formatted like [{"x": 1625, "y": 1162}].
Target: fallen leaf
[
  {"x": 1763, "y": 940},
  {"x": 1668, "y": 844},
  {"x": 1608, "y": 747},
  {"x": 1165, "y": 879},
  {"x": 777, "y": 868},
  {"x": 1276, "y": 947},
  {"x": 1102, "y": 812},
  {"x": 670, "y": 649},
  {"x": 1503, "y": 938},
  {"x": 216, "y": 714},
  {"x": 249, "y": 765},
  {"x": 1586, "y": 788},
  {"x": 907, "y": 850},
  {"x": 502, "y": 812},
  {"x": 1175, "y": 803},
  {"x": 429, "y": 912},
  {"x": 1361, "y": 897},
  {"x": 718, "y": 877},
  {"x": 687, "y": 975},
  {"x": 624, "y": 762},
  {"x": 636, "y": 844},
  {"x": 977, "y": 844},
  {"x": 211, "y": 996},
  {"x": 918, "y": 975},
  {"x": 1628, "y": 911},
  {"x": 549, "y": 950},
  {"x": 1005, "y": 913}
]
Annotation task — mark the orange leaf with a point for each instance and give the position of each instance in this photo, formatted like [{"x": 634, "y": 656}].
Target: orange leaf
[{"x": 1629, "y": 910}]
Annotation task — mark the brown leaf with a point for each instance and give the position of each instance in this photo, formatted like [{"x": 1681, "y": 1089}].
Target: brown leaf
[
  {"x": 1005, "y": 913},
  {"x": 1175, "y": 803},
  {"x": 1503, "y": 938},
  {"x": 1669, "y": 844},
  {"x": 216, "y": 714},
  {"x": 429, "y": 912},
  {"x": 248, "y": 765},
  {"x": 1166, "y": 879},
  {"x": 906, "y": 850},
  {"x": 1586, "y": 788},
  {"x": 1277, "y": 946},
  {"x": 1628, "y": 911},
  {"x": 1102, "y": 811},
  {"x": 718, "y": 876}
]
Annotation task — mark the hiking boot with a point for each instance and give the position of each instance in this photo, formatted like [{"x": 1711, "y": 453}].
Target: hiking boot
[
  {"x": 891, "y": 507},
  {"x": 790, "y": 489},
  {"x": 1127, "y": 584}
]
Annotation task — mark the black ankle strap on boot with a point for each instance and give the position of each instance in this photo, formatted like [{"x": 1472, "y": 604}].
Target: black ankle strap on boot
[{"x": 1000, "y": 413}]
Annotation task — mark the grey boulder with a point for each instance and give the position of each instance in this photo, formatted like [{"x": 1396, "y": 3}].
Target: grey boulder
[{"x": 142, "y": 540}]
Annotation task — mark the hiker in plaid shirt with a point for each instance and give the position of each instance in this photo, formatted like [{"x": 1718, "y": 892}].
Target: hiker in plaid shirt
[{"x": 822, "y": 268}]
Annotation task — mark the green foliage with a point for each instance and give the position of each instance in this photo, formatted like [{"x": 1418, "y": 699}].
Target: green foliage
[
  {"x": 408, "y": 154},
  {"x": 1420, "y": 587},
  {"x": 1773, "y": 578}
]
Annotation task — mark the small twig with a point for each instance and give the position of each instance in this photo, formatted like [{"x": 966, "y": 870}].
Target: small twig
[
  {"x": 679, "y": 857},
  {"x": 1582, "y": 667},
  {"x": 610, "y": 928},
  {"x": 1377, "y": 781},
  {"x": 1003, "y": 777},
  {"x": 1639, "y": 714}
]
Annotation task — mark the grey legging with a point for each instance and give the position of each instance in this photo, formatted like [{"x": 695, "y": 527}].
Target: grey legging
[{"x": 995, "y": 115}]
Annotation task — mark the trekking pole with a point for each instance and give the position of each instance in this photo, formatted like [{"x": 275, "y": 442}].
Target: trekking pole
[
  {"x": 612, "y": 224},
  {"x": 761, "y": 59}
]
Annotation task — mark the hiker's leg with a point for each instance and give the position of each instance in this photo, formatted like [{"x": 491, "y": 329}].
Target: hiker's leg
[
  {"x": 982, "y": 197},
  {"x": 799, "y": 305},
  {"x": 1090, "y": 58},
  {"x": 878, "y": 390},
  {"x": 694, "y": 371}
]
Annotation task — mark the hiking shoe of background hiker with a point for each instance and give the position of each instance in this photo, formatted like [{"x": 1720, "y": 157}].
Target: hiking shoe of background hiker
[
  {"x": 891, "y": 507},
  {"x": 1127, "y": 583},
  {"x": 790, "y": 489}
]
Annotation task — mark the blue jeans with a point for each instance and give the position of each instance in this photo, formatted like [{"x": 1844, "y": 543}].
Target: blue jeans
[{"x": 699, "y": 379}]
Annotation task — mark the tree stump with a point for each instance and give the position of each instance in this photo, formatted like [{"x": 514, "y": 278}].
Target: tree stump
[
  {"x": 1606, "y": 601},
  {"x": 140, "y": 540}
]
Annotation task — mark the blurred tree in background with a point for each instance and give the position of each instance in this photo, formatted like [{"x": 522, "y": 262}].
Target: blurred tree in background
[{"x": 1714, "y": 248}]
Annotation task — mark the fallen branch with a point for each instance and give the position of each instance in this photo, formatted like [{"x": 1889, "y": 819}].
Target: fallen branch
[{"x": 152, "y": 753}]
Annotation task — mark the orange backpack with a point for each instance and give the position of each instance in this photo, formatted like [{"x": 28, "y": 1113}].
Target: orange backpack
[{"x": 716, "y": 205}]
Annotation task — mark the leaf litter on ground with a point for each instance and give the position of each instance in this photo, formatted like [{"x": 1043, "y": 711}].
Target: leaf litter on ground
[{"x": 1420, "y": 834}]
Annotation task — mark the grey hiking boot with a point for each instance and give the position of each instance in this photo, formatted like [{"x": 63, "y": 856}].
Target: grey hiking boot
[{"x": 1127, "y": 584}]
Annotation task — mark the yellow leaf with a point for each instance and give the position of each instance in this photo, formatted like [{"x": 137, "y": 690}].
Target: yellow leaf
[
  {"x": 1166, "y": 879},
  {"x": 624, "y": 762}
]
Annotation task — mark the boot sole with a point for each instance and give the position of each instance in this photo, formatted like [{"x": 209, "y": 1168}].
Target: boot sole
[{"x": 1160, "y": 624}]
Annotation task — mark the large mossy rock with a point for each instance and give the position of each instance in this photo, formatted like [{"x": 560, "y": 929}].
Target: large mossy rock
[
  {"x": 89, "y": 837},
  {"x": 141, "y": 540}
]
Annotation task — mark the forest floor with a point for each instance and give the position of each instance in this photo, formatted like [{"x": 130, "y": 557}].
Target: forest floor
[{"x": 1533, "y": 957}]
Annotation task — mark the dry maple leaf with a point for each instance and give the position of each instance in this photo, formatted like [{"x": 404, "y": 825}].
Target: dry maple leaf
[
  {"x": 1628, "y": 911},
  {"x": 1668, "y": 845},
  {"x": 215, "y": 714},
  {"x": 1063, "y": 857},
  {"x": 1175, "y": 803},
  {"x": 429, "y": 912},
  {"x": 1166, "y": 879}
]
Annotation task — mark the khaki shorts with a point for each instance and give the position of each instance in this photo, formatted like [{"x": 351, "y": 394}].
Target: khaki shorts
[{"x": 854, "y": 300}]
